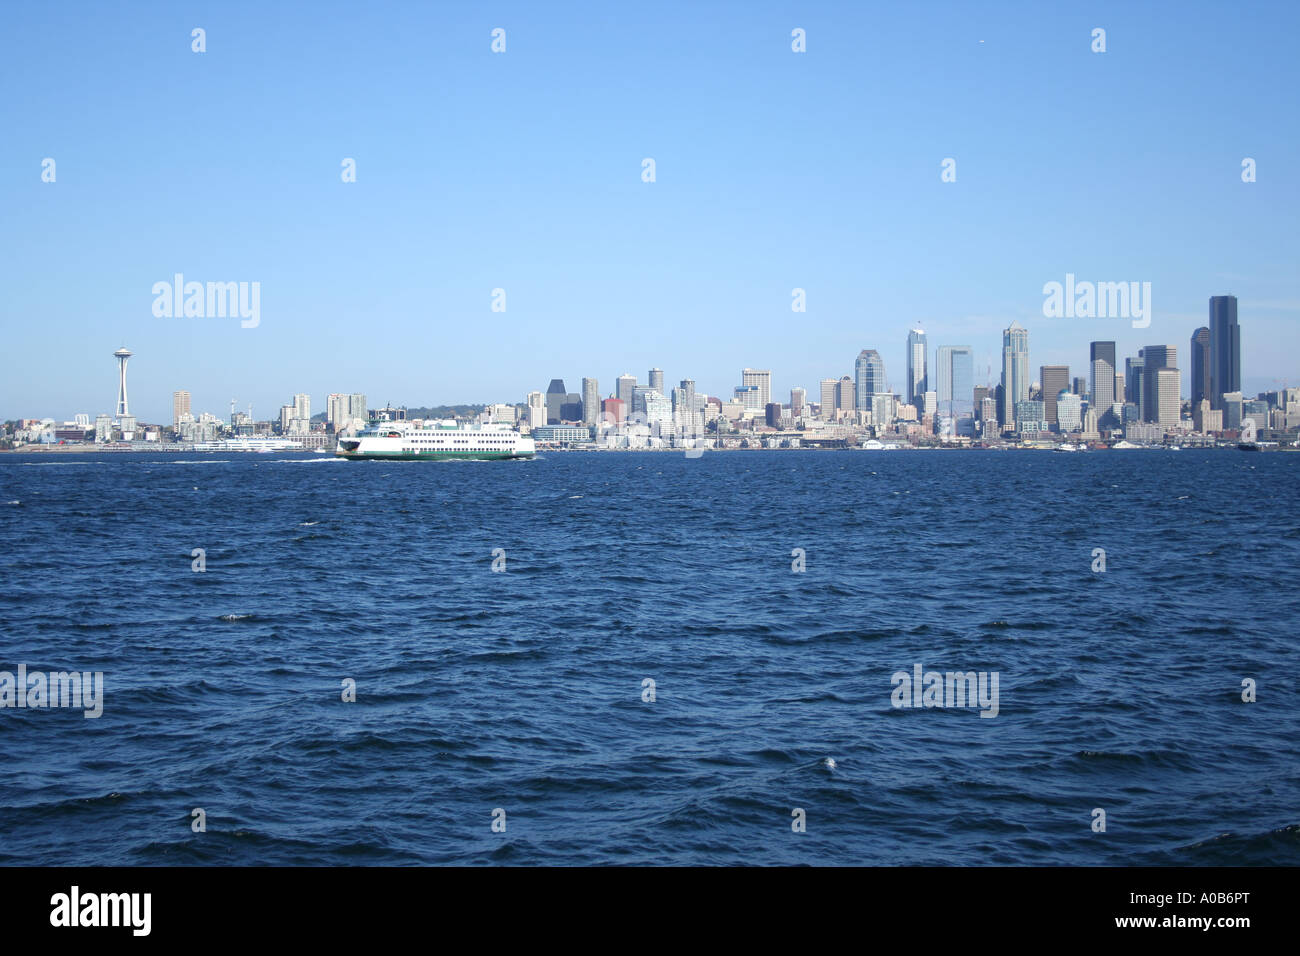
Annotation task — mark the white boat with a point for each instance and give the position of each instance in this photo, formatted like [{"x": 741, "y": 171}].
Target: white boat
[
  {"x": 1066, "y": 446},
  {"x": 435, "y": 441}
]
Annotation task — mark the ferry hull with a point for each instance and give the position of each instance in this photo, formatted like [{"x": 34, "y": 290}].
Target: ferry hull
[{"x": 429, "y": 455}]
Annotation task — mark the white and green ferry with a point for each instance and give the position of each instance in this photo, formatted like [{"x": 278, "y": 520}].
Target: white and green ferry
[{"x": 434, "y": 441}]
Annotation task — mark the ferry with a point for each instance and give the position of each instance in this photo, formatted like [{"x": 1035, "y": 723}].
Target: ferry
[{"x": 435, "y": 441}]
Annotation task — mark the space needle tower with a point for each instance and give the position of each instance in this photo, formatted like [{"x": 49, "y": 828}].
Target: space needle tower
[{"x": 121, "y": 355}]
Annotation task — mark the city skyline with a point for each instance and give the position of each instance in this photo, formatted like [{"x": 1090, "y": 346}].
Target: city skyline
[
  {"x": 1152, "y": 382},
  {"x": 775, "y": 171}
]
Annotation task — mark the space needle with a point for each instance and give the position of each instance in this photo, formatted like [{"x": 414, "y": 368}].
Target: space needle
[{"x": 121, "y": 355}]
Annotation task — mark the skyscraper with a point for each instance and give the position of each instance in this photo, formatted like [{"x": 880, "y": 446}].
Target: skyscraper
[
  {"x": 1225, "y": 349},
  {"x": 1054, "y": 379},
  {"x": 798, "y": 396},
  {"x": 121, "y": 355},
  {"x": 536, "y": 410},
  {"x": 869, "y": 375},
  {"x": 626, "y": 386},
  {"x": 302, "y": 407},
  {"x": 828, "y": 399},
  {"x": 556, "y": 396},
  {"x": 1133, "y": 380},
  {"x": 918, "y": 382},
  {"x": 762, "y": 378},
  {"x": 1103, "y": 375},
  {"x": 180, "y": 406},
  {"x": 1200, "y": 366},
  {"x": 657, "y": 380},
  {"x": 844, "y": 395},
  {"x": 1166, "y": 403},
  {"x": 955, "y": 371},
  {"x": 1015, "y": 370},
  {"x": 590, "y": 401},
  {"x": 1154, "y": 358}
]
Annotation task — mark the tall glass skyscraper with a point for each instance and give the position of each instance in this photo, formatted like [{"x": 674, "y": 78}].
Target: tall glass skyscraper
[
  {"x": 869, "y": 375},
  {"x": 1015, "y": 370},
  {"x": 955, "y": 370},
  {"x": 1225, "y": 348},
  {"x": 1200, "y": 365},
  {"x": 918, "y": 382}
]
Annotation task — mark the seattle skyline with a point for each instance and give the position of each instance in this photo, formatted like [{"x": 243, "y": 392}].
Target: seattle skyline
[{"x": 775, "y": 171}]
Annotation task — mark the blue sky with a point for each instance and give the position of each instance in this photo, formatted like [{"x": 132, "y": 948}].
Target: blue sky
[{"x": 522, "y": 171}]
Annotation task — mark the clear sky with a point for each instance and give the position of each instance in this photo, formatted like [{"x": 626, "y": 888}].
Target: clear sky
[{"x": 522, "y": 171}]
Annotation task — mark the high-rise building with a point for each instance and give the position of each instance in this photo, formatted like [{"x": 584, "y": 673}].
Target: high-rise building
[
  {"x": 954, "y": 371},
  {"x": 798, "y": 397},
  {"x": 302, "y": 407},
  {"x": 180, "y": 406},
  {"x": 657, "y": 380},
  {"x": 1166, "y": 402},
  {"x": 978, "y": 394},
  {"x": 845, "y": 395},
  {"x": 1206, "y": 420},
  {"x": 762, "y": 378},
  {"x": 590, "y": 401},
  {"x": 1015, "y": 370},
  {"x": 1133, "y": 379},
  {"x": 918, "y": 382},
  {"x": 121, "y": 355},
  {"x": 828, "y": 387},
  {"x": 1080, "y": 386},
  {"x": 1154, "y": 358},
  {"x": 686, "y": 407},
  {"x": 613, "y": 410},
  {"x": 1200, "y": 385},
  {"x": 1053, "y": 379},
  {"x": 536, "y": 410},
  {"x": 556, "y": 396},
  {"x": 1069, "y": 411},
  {"x": 623, "y": 390},
  {"x": 1225, "y": 349},
  {"x": 1102, "y": 355},
  {"x": 869, "y": 372}
]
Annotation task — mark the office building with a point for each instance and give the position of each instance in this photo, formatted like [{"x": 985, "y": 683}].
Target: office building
[
  {"x": 590, "y": 401},
  {"x": 1102, "y": 356},
  {"x": 762, "y": 379},
  {"x": 1200, "y": 384},
  {"x": 1053, "y": 379},
  {"x": 1225, "y": 349},
  {"x": 869, "y": 374},
  {"x": 918, "y": 382},
  {"x": 1015, "y": 370}
]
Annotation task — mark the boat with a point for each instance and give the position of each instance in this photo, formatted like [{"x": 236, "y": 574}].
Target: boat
[
  {"x": 320, "y": 451},
  {"x": 435, "y": 441},
  {"x": 1066, "y": 446}
]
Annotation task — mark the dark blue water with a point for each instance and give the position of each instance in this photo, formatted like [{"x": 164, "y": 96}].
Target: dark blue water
[{"x": 522, "y": 690}]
